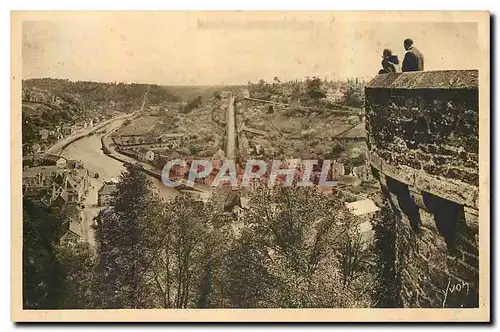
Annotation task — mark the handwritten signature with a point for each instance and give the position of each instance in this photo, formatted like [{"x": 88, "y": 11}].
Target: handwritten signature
[{"x": 458, "y": 287}]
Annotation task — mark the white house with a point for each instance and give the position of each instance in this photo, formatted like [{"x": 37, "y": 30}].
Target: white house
[
  {"x": 144, "y": 154},
  {"x": 362, "y": 207}
]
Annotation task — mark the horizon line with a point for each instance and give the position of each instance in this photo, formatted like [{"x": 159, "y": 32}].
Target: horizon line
[{"x": 189, "y": 84}]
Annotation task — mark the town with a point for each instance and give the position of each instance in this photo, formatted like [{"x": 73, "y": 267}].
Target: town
[
  {"x": 207, "y": 192},
  {"x": 269, "y": 124}
]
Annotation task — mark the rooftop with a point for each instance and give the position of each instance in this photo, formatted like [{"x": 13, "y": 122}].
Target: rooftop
[
  {"x": 107, "y": 189},
  {"x": 32, "y": 171},
  {"x": 362, "y": 207}
]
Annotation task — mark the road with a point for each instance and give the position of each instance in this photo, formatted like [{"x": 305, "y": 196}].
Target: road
[
  {"x": 231, "y": 130},
  {"x": 59, "y": 146}
]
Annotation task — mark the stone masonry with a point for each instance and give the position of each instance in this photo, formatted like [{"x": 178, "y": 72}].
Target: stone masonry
[{"x": 423, "y": 137}]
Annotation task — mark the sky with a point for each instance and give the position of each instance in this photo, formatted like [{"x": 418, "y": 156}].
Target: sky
[{"x": 178, "y": 48}]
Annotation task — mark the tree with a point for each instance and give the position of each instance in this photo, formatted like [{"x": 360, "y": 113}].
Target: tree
[
  {"x": 314, "y": 89},
  {"x": 388, "y": 275},
  {"x": 187, "y": 263},
  {"x": 41, "y": 274},
  {"x": 286, "y": 255},
  {"x": 126, "y": 237},
  {"x": 354, "y": 98},
  {"x": 77, "y": 269}
]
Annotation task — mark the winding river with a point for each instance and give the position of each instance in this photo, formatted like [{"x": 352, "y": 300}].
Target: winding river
[{"x": 88, "y": 151}]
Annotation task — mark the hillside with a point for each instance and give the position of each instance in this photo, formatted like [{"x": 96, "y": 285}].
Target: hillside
[
  {"x": 61, "y": 106},
  {"x": 87, "y": 95}
]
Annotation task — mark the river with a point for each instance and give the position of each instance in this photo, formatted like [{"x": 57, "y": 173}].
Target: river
[{"x": 88, "y": 151}]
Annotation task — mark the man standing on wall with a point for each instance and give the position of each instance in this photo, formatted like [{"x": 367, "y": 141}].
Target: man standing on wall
[{"x": 414, "y": 60}]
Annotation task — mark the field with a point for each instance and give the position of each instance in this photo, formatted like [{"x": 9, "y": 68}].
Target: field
[
  {"x": 203, "y": 135},
  {"x": 140, "y": 126},
  {"x": 294, "y": 132}
]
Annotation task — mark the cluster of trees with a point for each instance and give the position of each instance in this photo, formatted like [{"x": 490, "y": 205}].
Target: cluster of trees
[
  {"x": 192, "y": 104},
  {"x": 127, "y": 97},
  {"x": 292, "y": 247}
]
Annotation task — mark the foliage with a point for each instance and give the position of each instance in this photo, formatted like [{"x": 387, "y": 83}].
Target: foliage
[
  {"x": 310, "y": 92},
  {"x": 287, "y": 254},
  {"x": 192, "y": 104},
  {"x": 127, "y": 97},
  {"x": 77, "y": 272},
  {"x": 126, "y": 238},
  {"x": 354, "y": 97},
  {"x": 314, "y": 89},
  {"x": 387, "y": 259},
  {"x": 290, "y": 247},
  {"x": 41, "y": 275}
]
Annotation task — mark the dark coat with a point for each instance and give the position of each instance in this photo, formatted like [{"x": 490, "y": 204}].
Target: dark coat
[
  {"x": 389, "y": 63},
  {"x": 413, "y": 61}
]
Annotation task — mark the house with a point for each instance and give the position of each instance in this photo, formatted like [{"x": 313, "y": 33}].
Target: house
[
  {"x": 56, "y": 186},
  {"x": 67, "y": 131},
  {"x": 72, "y": 164},
  {"x": 78, "y": 127},
  {"x": 336, "y": 96},
  {"x": 362, "y": 207},
  {"x": 239, "y": 209},
  {"x": 58, "y": 134},
  {"x": 44, "y": 134},
  {"x": 71, "y": 228},
  {"x": 145, "y": 155},
  {"x": 39, "y": 177},
  {"x": 336, "y": 171},
  {"x": 177, "y": 137},
  {"x": 58, "y": 201},
  {"x": 245, "y": 93},
  {"x": 75, "y": 186},
  {"x": 36, "y": 148},
  {"x": 51, "y": 159},
  {"x": 61, "y": 162},
  {"x": 362, "y": 172},
  {"x": 106, "y": 193},
  {"x": 349, "y": 180}
]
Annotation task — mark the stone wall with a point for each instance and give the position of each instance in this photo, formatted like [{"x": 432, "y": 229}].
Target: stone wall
[{"x": 423, "y": 136}]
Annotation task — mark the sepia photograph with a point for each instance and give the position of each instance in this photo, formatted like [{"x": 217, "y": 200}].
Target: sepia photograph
[{"x": 302, "y": 166}]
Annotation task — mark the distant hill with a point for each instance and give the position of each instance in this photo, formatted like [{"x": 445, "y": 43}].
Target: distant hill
[{"x": 119, "y": 96}]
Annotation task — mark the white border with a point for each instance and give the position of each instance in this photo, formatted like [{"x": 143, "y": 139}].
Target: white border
[{"x": 150, "y": 5}]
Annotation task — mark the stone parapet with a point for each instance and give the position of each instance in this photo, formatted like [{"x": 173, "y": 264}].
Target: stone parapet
[{"x": 423, "y": 141}]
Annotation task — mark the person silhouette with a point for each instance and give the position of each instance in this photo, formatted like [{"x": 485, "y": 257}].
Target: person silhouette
[
  {"x": 413, "y": 60},
  {"x": 390, "y": 62}
]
